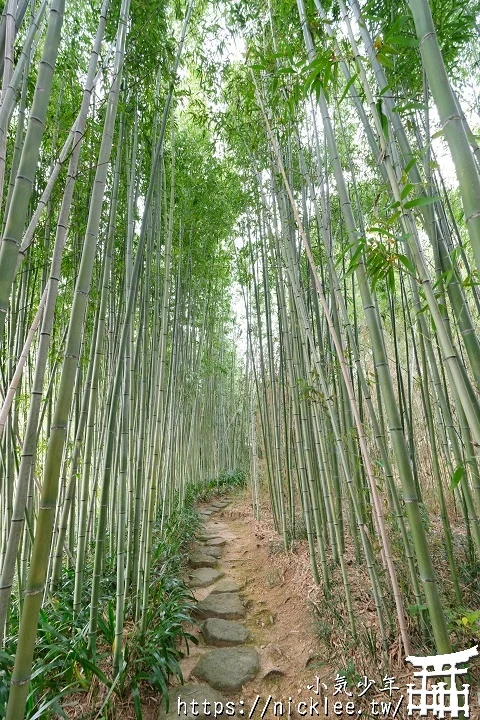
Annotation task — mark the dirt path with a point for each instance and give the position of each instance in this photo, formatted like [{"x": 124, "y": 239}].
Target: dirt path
[
  {"x": 276, "y": 614},
  {"x": 265, "y": 592}
]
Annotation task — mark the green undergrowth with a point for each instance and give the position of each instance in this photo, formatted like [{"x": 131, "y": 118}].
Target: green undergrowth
[
  {"x": 66, "y": 675},
  {"x": 228, "y": 480}
]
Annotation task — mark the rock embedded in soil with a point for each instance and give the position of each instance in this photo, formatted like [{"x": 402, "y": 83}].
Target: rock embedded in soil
[
  {"x": 227, "y": 586},
  {"x": 215, "y": 552},
  {"x": 201, "y": 693},
  {"x": 204, "y": 576},
  {"x": 201, "y": 549},
  {"x": 203, "y": 537},
  {"x": 228, "y": 668},
  {"x": 223, "y": 605},
  {"x": 198, "y": 560},
  {"x": 273, "y": 674},
  {"x": 216, "y": 542},
  {"x": 224, "y": 633}
]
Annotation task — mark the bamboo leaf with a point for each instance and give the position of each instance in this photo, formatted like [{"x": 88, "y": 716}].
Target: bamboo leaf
[
  {"x": 414, "y": 610},
  {"x": 347, "y": 88},
  {"x": 421, "y": 201},
  {"x": 403, "y": 40},
  {"x": 410, "y": 165},
  {"x": 457, "y": 477},
  {"x": 408, "y": 263},
  {"x": 391, "y": 280},
  {"x": 383, "y": 118},
  {"x": 393, "y": 218},
  {"x": 353, "y": 261},
  {"x": 406, "y": 190},
  {"x": 385, "y": 90},
  {"x": 137, "y": 705},
  {"x": 384, "y": 60},
  {"x": 95, "y": 670}
]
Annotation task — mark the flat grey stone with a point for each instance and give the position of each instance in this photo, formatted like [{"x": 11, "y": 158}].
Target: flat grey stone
[
  {"x": 228, "y": 668},
  {"x": 204, "y": 576},
  {"x": 205, "y": 512},
  {"x": 197, "y": 547},
  {"x": 200, "y": 693},
  {"x": 216, "y": 542},
  {"x": 198, "y": 560},
  {"x": 223, "y": 605},
  {"x": 203, "y": 537},
  {"x": 215, "y": 552},
  {"x": 224, "y": 633},
  {"x": 227, "y": 586}
]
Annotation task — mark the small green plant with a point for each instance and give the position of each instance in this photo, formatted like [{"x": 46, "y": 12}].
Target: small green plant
[
  {"x": 229, "y": 479},
  {"x": 368, "y": 638},
  {"x": 323, "y": 630},
  {"x": 63, "y": 664},
  {"x": 106, "y": 624},
  {"x": 154, "y": 657},
  {"x": 352, "y": 678}
]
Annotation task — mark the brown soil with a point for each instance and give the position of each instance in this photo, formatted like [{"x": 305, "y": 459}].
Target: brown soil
[
  {"x": 275, "y": 588},
  {"x": 278, "y": 589},
  {"x": 278, "y": 592}
]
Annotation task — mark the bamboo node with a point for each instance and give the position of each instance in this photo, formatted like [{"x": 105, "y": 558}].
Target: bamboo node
[
  {"x": 21, "y": 682},
  {"x": 11, "y": 240},
  {"x": 48, "y": 64},
  {"x": 425, "y": 37},
  {"x": 449, "y": 119},
  {"x": 33, "y": 592}
]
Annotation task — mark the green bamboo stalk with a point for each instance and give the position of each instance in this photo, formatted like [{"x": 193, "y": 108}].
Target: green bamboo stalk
[
  {"x": 41, "y": 546},
  {"x": 451, "y": 121},
  {"x": 11, "y": 238}
]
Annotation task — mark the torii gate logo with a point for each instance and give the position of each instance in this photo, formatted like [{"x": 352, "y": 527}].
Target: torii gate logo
[{"x": 445, "y": 697}]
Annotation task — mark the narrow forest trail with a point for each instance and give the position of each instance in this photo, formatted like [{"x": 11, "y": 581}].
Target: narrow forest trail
[{"x": 280, "y": 653}]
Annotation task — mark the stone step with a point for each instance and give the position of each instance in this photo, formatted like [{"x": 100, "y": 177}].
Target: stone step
[
  {"x": 215, "y": 552},
  {"x": 180, "y": 702},
  {"x": 224, "y": 633},
  {"x": 227, "y": 586},
  {"x": 227, "y": 668},
  {"x": 204, "y": 576},
  {"x": 223, "y": 605},
  {"x": 198, "y": 560},
  {"x": 200, "y": 547},
  {"x": 216, "y": 542}
]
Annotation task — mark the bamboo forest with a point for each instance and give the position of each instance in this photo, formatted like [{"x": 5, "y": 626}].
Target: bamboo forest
[{"x": 239, "y": 337}]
